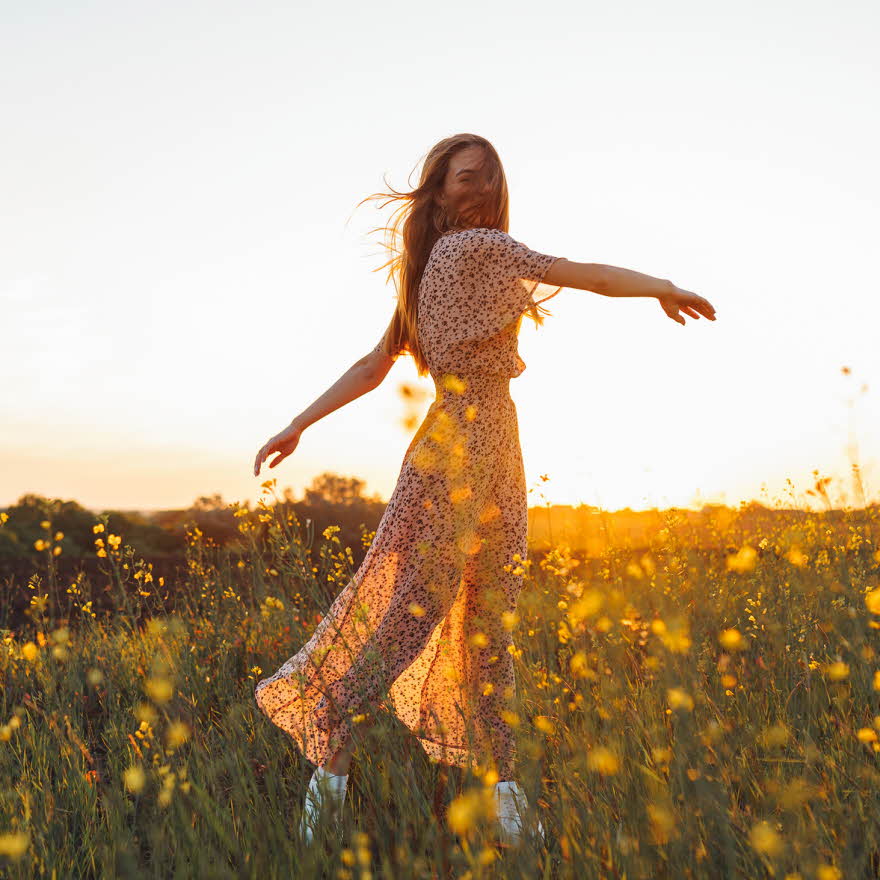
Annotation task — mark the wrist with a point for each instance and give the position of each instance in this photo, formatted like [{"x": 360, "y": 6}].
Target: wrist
[{"x": 667, "y": 288}]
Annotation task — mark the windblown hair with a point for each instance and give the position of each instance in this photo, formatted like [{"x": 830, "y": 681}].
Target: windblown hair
[{"x": 419, "y": 221}]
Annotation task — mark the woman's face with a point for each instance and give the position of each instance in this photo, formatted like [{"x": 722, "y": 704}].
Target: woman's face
[{"x": 465, "y": 186}]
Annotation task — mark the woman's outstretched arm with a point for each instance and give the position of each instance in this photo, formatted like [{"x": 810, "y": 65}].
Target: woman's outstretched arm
[
  {"x": 362, "y": 376},
  {"x": 615, "y": 281}
]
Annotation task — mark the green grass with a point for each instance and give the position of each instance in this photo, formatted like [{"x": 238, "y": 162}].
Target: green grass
[{"x": 652, "y": 743}]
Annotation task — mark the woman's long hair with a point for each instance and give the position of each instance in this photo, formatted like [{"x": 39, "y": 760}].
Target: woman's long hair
[{"x": 420, "y": 220}]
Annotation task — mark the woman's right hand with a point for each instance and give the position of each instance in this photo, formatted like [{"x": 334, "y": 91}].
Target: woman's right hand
[
  {"x": 284, "y": 442},
  {"x": 690, "y": 303}
]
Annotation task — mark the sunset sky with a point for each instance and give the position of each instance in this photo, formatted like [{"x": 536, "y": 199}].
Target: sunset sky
[{"x": 183, "y": 269}]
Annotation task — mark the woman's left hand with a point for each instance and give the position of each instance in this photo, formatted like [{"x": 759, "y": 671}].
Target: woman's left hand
[
  {"x": 283, "y": 443},
  {"x": 691, "y": 304}
]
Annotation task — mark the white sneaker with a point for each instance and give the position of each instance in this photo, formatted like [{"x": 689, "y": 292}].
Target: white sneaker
[
  {"x": 325, "y": 790},
  {"x": 512, "y": 806}
]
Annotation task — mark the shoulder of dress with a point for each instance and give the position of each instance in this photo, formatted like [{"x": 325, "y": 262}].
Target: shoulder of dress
[{"x": 484, "y": 234}]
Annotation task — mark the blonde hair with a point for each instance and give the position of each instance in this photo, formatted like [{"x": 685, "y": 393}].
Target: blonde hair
[{"x": 419, "y": 221}]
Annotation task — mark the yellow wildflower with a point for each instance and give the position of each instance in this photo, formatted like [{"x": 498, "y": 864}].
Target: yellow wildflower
[
  {"x": 159, "y": 690},
  {"x": 661, "y": 754},
  {"x": 544, "y": 724},
  {"x": 603, "y": 760},
  {"x": 510, "y": 718},
  {"x": 731, "y": 639},
  {"x": 469, "y": 808},
  {"x": 676, "y": 636},
  {"x": 579, "y": 665},
  {"x": 662, "y": 823},
  {"x": 134, "y": 779},
  {"x": 587, "y": 606},
  {"x": 452, "y": 383},
  {"x": 837, "y": 671},
  {"x": 764, "y": 839},
  {"x": 14, "y": 844},
  {"x": 679, "y": 699},
  {"x": 509, "y": 620},
  {"x": 797, "y": 558},
  {"x": 178, "y": 732},
  {"x": 743, "y": 560}
]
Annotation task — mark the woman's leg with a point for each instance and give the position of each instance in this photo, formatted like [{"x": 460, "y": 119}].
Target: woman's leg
[
  {"x": 339, "y": 762},
  {"x": 330, "y": 780},
  {"x": 493, "y": 589}
]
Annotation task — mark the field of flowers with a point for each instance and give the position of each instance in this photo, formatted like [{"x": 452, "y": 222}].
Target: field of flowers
[{"x": 681, "y": 713}]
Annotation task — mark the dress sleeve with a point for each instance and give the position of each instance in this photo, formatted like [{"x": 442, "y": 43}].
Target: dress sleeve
[{"x": 517, "y": 270}]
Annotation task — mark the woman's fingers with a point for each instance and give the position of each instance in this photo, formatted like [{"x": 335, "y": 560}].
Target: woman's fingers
[
  {"x": 690, "y": 304},
  {"x": 283, "y": 443},
  {"x": 262, "y": 455},
  {"x": 672, "y": 311},
  {"x": 702, "y": 306}
]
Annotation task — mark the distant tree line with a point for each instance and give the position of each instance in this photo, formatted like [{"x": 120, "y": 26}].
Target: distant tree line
[{"x": 160, "y": 536}]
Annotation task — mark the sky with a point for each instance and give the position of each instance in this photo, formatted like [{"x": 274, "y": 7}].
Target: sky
[{"x": 184, "y": 268}]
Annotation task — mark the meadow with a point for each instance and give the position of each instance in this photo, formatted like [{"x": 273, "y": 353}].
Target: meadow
[{"x": 685, "y": 710}]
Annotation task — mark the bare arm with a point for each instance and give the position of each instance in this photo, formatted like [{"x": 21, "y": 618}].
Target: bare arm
[
  {"x": 362, "y": 376},
  {"x": 356, "y": 381},
  {"x": 615, "y": 281},
  {"x": 607, "y": 280}
]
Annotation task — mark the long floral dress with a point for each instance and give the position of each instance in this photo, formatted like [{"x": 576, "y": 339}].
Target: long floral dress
[{"x": 424, "y": 626}]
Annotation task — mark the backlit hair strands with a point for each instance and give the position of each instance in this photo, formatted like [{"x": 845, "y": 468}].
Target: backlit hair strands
[{"x": 419, "y": 221}]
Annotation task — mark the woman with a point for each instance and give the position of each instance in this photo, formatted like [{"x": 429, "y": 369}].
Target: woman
[{"x": 424, "y": 626}]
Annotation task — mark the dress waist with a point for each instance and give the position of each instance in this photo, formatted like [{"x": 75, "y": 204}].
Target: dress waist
[{"x": 461, "y": 384}]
